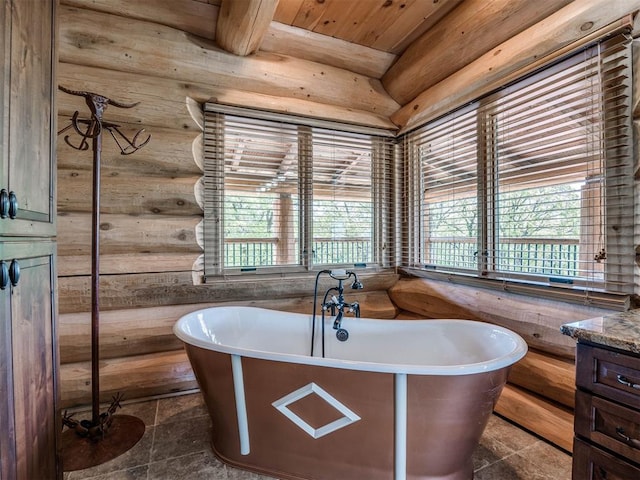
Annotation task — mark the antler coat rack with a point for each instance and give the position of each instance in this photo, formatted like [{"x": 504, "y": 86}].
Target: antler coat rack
[{"x": 91, "y": 442}]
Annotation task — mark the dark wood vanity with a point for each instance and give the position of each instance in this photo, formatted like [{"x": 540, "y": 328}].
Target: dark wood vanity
[{"x": 607, "y": 413}]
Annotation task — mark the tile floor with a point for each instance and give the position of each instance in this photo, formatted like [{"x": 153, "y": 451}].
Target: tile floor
[{"x": 176, "y": 446}]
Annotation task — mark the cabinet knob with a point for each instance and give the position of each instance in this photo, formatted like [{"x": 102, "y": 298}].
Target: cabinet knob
[
  {"x": 4, "y": 203},
  {"x": 4, "y": 275},
  {"x": 13, "y": 205},
  {"x": 14, "y": 272}
]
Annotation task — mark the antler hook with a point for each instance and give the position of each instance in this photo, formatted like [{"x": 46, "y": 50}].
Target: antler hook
[
  {"x": 93, "y": 130},
  {"x": 131, "y": 145},
  {"x": 97, "y": 104}
]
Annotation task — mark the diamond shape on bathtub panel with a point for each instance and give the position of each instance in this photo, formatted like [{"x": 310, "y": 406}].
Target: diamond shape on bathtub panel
[{"x": 348, "y": 417}]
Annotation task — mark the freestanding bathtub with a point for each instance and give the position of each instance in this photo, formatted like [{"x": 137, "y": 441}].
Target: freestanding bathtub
[{"x": 400, "y": 399}]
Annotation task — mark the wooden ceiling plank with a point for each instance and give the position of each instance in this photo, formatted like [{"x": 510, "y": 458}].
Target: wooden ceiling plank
[
  {"x": 468, "y": 32},
  {"x": 310, "y": 14},
  {"x": 378, "y": 19},
  {"x": 412, "y": 24},
  {"x": 287, "y": 11},
  {"x": 357, "y": 17},
  {"x": 336, "y": 14},
  {"x": 242, "y": 25}
]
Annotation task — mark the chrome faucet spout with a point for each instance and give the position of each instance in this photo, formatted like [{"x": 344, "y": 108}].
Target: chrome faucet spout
[{"x": 337, "y": 322}]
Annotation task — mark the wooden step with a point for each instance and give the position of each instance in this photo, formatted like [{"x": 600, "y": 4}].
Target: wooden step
[
  {"x": 548, "y": 376},
  {"x": 135, "y": 377},
  {"x": 550, "y": 420}
]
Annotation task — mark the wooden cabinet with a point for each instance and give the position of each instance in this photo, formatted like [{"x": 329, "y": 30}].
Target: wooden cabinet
[
  {"x": 592, "y": 463},
  {"x": 28, "y": 361},
  {"x": 29, "y": 420},
  {"x": 607, "y": 415},
  {"x": 27, "y": 119}
]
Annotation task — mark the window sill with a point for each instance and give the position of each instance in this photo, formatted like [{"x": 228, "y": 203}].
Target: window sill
[{"x": 599, "y": 299}]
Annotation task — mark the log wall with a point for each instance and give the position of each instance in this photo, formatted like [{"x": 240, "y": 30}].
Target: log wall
[{"x": 150, "y": 212}]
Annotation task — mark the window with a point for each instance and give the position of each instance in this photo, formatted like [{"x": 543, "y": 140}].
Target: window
[
  {"x": 285, "y": 194},
  {"x": 532, "y": 183}
]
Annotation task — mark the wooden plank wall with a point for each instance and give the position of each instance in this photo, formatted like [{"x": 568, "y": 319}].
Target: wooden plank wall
[{"x": 144, "y": 52}]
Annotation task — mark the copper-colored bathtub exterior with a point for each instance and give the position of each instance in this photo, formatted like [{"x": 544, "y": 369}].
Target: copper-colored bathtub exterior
[{"x": 446, "y": 417}]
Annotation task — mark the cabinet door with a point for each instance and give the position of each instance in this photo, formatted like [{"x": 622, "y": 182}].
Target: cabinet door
[
  {"x": 591, "y": 463},
  {"x": 29, "y": 315},
  {"x": 27, "y": 167},
  {"x": 7, "y": 440}
]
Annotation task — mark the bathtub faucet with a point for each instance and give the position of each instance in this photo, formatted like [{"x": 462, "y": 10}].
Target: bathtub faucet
[{"x": 335, "y": 304}]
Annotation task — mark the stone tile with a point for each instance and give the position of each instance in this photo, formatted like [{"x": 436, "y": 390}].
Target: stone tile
[
  {"x": 237, "y": 474},
  {"x": 136, "y": 473},
  {"x": 195, "y": 465},
  {"x": 137, "y": 456},
  {"x": 145, "y": 411},
  {"x": 180, "y": 408},
  {"x": 484, "y": 456},
  {"x": 549, "y": 459},
  {"x": 499, "y": 440},
  {"x": 501, "y": 471},
  {"x": 538, "y": 462},
  {"x": 183, "y": 437},
  {"x": 501, "y": 434}
]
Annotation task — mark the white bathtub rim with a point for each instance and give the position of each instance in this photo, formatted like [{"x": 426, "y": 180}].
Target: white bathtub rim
[{"x": 504, "y": 361}]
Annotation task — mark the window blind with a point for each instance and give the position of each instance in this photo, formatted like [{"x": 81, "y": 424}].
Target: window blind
[
  {"x": 342, "y": 198},
  {"x": 286, "y": 197},
  {"x": 447, "y": 199},
  {"x": 256, "y": 212},
  {"x": 551, "y": 199}
]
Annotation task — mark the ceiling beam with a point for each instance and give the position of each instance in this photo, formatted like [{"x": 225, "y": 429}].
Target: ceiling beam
[
  {"x": 300, "y": 43},
  {"x": 473, "y": 28},
  {"x": 579, "y": 21},
  {"x": 242, "y": 24}
]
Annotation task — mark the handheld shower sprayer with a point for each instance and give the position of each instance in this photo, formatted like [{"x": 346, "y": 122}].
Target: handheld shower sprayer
[{"x": 342, "y": 275}]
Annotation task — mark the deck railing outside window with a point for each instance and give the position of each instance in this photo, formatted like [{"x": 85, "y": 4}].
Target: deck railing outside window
[
  {"x": 543, "y": 256},
  {"x": 249, "y": 252},
  {"x": 253, "y": 252},
  {"x": 352, "y": 250}
]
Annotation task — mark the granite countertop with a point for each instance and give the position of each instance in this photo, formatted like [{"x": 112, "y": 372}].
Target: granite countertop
[{"x": 617, "y": 330}]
